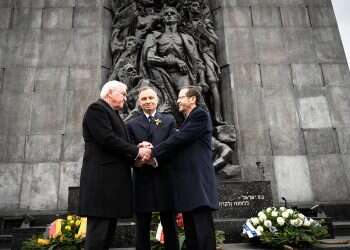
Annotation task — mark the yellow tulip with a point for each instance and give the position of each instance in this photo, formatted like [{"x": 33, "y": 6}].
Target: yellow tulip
[
  {"x": 71, "y": 222},
  {"x": 43, "y": 242},
  {"x": 77, "y": 223},
  {"x": 68, "y": 228},
  {"x": 69, "y": 217}
]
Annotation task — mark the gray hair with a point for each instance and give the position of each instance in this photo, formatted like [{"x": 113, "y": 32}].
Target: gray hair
[{"x": 111, "y": 85}]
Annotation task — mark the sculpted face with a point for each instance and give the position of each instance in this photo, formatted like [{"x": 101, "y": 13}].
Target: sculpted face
[
  {"x": 130, "y": 43},
  {"x": 148, "y": 101},
  {"x": 170, "y": 15},
  {"x": 195, "y": 7}
]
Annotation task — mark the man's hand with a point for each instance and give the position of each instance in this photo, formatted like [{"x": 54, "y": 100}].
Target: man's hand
[
  {"x": 145, "y": 144},
  {"x": 145, "y": 154}
]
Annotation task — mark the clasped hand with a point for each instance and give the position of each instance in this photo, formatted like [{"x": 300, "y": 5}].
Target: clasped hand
[{"x": 145, "y": 154}]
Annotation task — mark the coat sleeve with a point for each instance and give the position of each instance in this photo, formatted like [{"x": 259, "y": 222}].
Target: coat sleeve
[
  {"x": 189, "y": 133},
  {"x": 100, "y": 127}
]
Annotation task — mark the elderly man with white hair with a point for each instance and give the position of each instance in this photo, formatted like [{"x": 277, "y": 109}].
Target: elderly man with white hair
[{"x": 105, "y": 182}]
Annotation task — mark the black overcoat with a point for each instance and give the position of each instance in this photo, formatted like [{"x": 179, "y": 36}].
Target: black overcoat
[
  {"x": 105, "y": 181},
  {"x": 153, "y": 188},
  {"x": 193, "y": 172}
]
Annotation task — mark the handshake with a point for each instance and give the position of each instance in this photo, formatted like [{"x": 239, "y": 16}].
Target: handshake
[{"x": 145, "y": 155}]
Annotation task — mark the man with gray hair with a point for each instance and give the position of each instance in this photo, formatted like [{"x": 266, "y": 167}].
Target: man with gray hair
[{"x": 105, "y": 182}]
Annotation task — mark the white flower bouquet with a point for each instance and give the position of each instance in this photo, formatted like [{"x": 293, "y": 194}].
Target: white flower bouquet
[{"x": 279, "y": 227}]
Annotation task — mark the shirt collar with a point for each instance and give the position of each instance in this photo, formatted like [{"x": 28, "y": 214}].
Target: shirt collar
[{"x": 153, "y": 114}]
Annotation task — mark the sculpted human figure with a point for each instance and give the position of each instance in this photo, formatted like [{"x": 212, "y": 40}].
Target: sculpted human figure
[
  {"x": 204, "y": 34},
  {"x": 171, "y": 59}
]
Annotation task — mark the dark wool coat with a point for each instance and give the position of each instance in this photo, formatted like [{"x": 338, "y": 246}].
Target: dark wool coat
[
  {"x": 105, "y": 182},
  {"x": 153, "y": 187},
  {"x": 193, "y": 172}
]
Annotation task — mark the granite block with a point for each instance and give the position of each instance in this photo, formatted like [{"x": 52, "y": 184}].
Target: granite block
[
  {"x": 321, "y": 141},
  {"x": 307, "y": 75},
  {"x": 314, "y": 112},
  {"x": 2, "y": 72},
  {"x": 43, "y": 148},
  {"x": 107, "y": 19},
  {"x": 3, "y": 47},
  {"x": 10, "y": 179},
  {"x": 29, "y": 3},
  {"x": 339, "y": 100},
  {"x": 5, "y": 17},
  {"x": 84, "y": 78},
  {"x": 51, "y": 79},
  {"x": 299, "y": 45},
  {"x": 240, "y": 45},
  {"x": 73, "y": 147},
  {"x": 40, "y": 186},
  {"x": 250, "y": 110},
  {"x": 254, "y": 142},
  {"x": 293, "y": 178},
  {"x": 228, "y": 103},
  {"x": 78, "y": 102},
  {"x": 56, "y": 44},
  {"x": 322, "y": 16},
  {"x": 106, "y": 56},
  {"x": 48, "y": 112},
  {"x": 24, "y": 47},
  {"x": 6, "y": 3},
  {"x": 257, "y": 168},
  {"x": 280, "y": 108},
  {"x": 19, "y": 80},
  {"x": 14, "y": 116},
  {"x": 236, "y": 17},
  {"x": 287, "y": 141},
  {"x": 295, "y": 16},
  {"x": 27, "y": 18},
  {"x": 69, "y": 176},
  {"x": 269, "y": 46},
  {"x": 59, "y": 3},
  {"x": 12, "y": 148},
  {"x": 222, "y": 47},
  {"x": 328, "y": 45},
  {"x": 329, "y": 182},
  {"x": 266, "y": 16},
  {"x": 344, "y": 140},
  {"x": 86, "y": 17},
  {"x": 85, "y": 46},
  {"x": 346, "y": 162},
  {"x": 336, "y": 74},
  {"x": 58, "y": 18},
  {"x": 88, "y": 3},
  {"x": 276, "y": 75},
  {"x": 246, "y": 75}
]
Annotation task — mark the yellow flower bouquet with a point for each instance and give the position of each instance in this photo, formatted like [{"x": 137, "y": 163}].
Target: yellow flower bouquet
[{"x": 62, "y": 234}]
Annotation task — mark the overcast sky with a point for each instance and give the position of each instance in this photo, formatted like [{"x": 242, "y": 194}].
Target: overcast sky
[{"x": 342, "y": 12}]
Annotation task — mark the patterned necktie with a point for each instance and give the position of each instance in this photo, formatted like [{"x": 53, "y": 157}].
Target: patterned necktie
[{"x": 151, "y": 119}]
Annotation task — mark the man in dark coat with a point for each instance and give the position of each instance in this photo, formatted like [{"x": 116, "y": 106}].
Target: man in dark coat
[
  {"x": 105, "y": 182},
  {"x": 153, "y": 191},
  {"x": 193, "y": 172}
]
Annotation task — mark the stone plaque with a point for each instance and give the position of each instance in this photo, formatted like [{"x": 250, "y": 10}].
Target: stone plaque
[{"x": 243, "y": 199}]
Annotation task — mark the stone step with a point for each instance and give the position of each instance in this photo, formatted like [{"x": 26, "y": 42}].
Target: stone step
[
  {"x": 5, "y": 241},
  {"x": 341, "y": 228}
]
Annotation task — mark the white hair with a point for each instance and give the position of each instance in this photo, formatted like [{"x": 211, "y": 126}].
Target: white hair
[{"x": 111, "y": 85}]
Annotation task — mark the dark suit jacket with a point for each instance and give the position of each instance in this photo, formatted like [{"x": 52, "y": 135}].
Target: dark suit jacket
[
  {"x": 153, "y": 189},
  {"x": 105, "y": 181},
  {"x": 193, "y": 171}
]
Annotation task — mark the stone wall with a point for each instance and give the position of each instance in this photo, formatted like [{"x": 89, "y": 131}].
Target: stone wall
[
  {"x": 286, "y": 67},
  {"x": 54, "y": 55}
]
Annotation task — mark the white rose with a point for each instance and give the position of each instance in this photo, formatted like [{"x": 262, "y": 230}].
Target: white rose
[
  {"x": 267, "y": 223},
  {"x": 285, "y": 214},
  {"x": 262, "y": 217},
  {"x": 301, "y": 216},
  {"x": 269, "y": 210},
  {"x": 280, "y": 221},
  {"x": 282, "y": 209},
  {"x": 254, "y": 220},
  {"x": 274, "y": 214},
  {"x": 298, "y": 222},
  {"x": 290, "y": 211},
  {"x": 260, "y": 229},
  {"x": 307, "y": 223},
  {"x": 292, "y": 222},
  {"x": 260, "y": 213}
]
